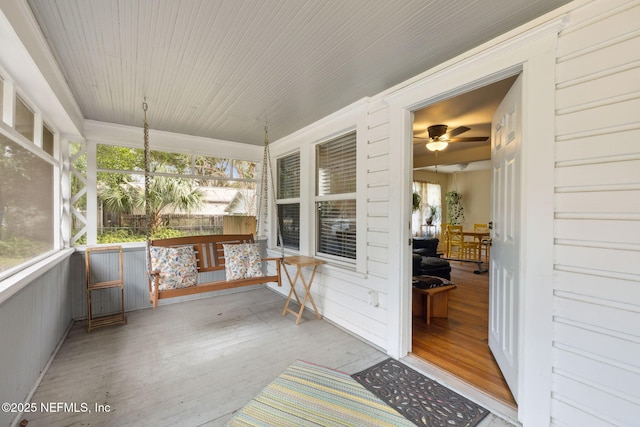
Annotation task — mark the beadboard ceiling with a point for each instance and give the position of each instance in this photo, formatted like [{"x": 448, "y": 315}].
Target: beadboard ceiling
[{"x": 221, "y": 68}]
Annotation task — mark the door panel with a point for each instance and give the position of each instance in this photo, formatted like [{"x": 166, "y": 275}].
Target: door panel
[{"x": 505, "y": 244}]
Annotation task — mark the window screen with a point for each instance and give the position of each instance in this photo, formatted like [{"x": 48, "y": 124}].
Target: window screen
[{"x": 26, "y": 214}]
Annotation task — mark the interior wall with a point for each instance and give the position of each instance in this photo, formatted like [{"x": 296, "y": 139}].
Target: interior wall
[
  {"x": 475, "y": 188},
  {"x": 432, "y": 177}
]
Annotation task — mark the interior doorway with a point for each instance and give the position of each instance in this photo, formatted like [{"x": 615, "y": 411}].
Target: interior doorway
[{"x": 459, "y": 342}]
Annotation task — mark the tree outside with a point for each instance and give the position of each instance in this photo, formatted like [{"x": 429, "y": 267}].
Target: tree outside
[
  {"x": 166, "y": 195},
  {"x": 188, "y": 194}
]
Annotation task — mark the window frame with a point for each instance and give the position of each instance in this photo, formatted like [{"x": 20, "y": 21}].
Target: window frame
[
  {"x": 288, "y": 200},
  {"x": 347, "y": 196},
  {"x": 92, "y": 209},
  {"x": 15, "y": 273}
]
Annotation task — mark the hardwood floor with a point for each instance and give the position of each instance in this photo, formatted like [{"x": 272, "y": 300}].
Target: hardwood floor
[{"x": 459, "y": 344}]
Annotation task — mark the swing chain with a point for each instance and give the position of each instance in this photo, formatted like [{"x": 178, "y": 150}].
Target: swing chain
[
  {"x": 147, "y": 183},
  {"x": 267, "y": 172}
]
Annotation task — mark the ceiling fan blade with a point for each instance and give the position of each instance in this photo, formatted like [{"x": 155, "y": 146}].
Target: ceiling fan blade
[
  {"x": 457, "y": 131},
  {"x": 470, "y": 139}
]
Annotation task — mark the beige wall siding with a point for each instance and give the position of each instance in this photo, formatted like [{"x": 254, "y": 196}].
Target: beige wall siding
[{"x": 597, "y": 206}]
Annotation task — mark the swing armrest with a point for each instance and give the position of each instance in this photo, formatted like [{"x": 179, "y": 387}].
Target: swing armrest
[
  {"x": 278, "y": 261},
  {"x": 154, "y": 276}
]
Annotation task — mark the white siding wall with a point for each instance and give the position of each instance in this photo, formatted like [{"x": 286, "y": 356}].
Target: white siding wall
[
  {"x": 377, "y": 202},
  {"x": 595, "y": 339},
  {"x": 596, "y": 349},
  {"x": 342, "y": 292}
]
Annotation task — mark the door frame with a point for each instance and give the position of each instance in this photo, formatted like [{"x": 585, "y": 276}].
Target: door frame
[{"x": 531, "y": 53}]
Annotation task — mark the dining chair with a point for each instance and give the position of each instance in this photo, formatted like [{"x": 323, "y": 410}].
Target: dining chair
[
  {"x": 458, "y": 246},
  {"x": 484, "y": 243},
  {"x": 444, "y": 238}
]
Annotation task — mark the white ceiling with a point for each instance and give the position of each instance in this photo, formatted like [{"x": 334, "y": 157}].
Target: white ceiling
[
  {"x": 474, "y": 166},
  {"x": 474, "y": 110},
  {"x": 220, "y": 69}
]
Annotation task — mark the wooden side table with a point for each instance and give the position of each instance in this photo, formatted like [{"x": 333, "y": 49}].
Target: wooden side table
[
  {"x": 432, "y": 302},
  {"x": 299, "y": 262},
  {"x": 112, "y": 319}
]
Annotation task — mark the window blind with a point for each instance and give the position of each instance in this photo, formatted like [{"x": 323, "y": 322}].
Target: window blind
[
  {"x": 336, "y": 163},
  {"x": 337, "y": 228},
  {"x": 289, "y": 177},
  {"x": 336, "y": 198},
  {"x": 289, "y": 191}
]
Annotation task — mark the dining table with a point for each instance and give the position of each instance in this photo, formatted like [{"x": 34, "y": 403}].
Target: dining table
[{"x": 478, "y": 236}]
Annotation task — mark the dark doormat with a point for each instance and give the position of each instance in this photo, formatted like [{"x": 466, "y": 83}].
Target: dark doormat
[{"x": 418, "y": 398}]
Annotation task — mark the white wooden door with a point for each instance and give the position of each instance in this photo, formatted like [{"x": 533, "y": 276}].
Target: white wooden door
[{"x": 505, "y": 241}]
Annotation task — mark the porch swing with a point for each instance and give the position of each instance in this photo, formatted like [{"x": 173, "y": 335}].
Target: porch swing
[{"x": 187, "y": 265}]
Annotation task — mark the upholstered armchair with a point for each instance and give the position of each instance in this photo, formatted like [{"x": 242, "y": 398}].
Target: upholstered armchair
[{"x": 427, "y": 261}]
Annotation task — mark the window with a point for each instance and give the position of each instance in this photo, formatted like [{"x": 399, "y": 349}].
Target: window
[
  {"x": 25, "y": 119},
  {"x": 426, "y": 220},
  {"x": 26, "y": 204},
  {"x": 336, "y": 197},
  {"x": 288, "y": 200},
  {"x": 47, "y": 140},
  {"x": 190, "y": 194}
]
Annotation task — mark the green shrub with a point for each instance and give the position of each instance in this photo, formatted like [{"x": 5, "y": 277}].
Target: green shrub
[{"x": 124, "y": 236}]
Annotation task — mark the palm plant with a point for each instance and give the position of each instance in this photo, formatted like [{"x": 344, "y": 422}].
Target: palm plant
[{"x": 165, "y": 193}]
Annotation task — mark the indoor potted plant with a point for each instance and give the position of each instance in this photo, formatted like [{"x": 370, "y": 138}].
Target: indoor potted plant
[
  {"x": 417, "y": 201},
  {"x": 455, "y": 211},
  {"x": 431, "y": 214}
]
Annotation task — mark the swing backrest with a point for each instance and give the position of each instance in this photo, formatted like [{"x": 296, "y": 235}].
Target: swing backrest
[{"x": 208, "y": 248}]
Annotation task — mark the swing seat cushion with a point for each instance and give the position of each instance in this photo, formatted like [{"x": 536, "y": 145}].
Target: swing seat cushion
[
  {"x": 176, "y": 266},
  {"x": 242, "y": 261}
]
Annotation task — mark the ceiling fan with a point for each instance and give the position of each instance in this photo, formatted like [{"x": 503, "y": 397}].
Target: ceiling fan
[{"x": 439, "y": 138}]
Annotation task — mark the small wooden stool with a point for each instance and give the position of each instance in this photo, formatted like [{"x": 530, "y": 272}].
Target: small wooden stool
[{"x": 432, "y": 302}]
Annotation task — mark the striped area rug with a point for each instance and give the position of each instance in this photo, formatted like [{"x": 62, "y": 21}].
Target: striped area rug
[{"x": 310, "y": 395}]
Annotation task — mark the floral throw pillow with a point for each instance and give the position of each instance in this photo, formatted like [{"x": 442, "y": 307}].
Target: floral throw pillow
[
  {"x": 242, "y": 261},
  {"x": 254, "y": 260},
  {"x": 234, "y": 262},
  {"x": 177, "y": 266}
]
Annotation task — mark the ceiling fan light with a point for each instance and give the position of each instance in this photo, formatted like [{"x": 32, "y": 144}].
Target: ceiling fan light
[{"x": 437, "y": 145}]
